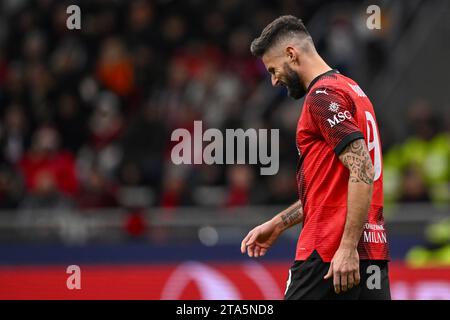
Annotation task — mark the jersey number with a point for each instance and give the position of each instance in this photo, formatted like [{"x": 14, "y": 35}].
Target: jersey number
[{"x": 373, "y": 143}]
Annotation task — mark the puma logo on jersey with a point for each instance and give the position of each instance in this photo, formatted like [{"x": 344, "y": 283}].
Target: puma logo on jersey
[{"x": 322, "y": 91}]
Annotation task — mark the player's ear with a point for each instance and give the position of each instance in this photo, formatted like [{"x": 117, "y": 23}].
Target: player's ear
[{"x": 291, "y": 54}]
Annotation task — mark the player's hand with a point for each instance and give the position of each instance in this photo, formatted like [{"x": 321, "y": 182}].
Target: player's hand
[
  {"x": 344, "y": 269},
  {"x": 258, "y": 240}
]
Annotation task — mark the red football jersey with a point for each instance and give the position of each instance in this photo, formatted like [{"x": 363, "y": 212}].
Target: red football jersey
[{"x": 335, "y": 112}]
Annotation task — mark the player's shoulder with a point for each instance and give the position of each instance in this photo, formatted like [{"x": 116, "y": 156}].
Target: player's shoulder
[
  {"x": 336, "y": 83},
  {"x": 325, "y": 93},
  {"x": 335, "y": 86},
  {"x": 348, "y": 87}
]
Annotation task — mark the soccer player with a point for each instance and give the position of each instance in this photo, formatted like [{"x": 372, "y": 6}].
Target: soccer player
[{"x": 342, "y": 250}]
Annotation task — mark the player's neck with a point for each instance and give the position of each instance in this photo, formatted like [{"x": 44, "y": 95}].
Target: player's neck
[{"x": 314, "y": 69}]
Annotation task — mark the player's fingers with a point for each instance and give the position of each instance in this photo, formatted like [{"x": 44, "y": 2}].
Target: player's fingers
[
  {"x": 357, "y": 277},
  {"x": 344, "y": 281},
  {"x": 350, "y": 280},
  {"x": 263, "y": 251},
  {"x": 244, "y": 242},
  {"x": 250, "y": 250},
  {"x": 257, "y": 251},
  {"x": 337, "y": 281},
  {"x": 252, "y": 239},
  {"x": 330, "y": 272}
]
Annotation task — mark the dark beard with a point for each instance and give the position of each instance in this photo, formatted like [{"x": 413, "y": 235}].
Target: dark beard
[{"x": 293, "y": 83}]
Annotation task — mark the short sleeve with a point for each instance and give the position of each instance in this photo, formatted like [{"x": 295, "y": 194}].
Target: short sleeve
[{"x": 333, "y": 113}]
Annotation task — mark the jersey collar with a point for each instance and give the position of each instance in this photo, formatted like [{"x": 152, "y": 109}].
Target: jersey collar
[{"x": 332, "y": 71}]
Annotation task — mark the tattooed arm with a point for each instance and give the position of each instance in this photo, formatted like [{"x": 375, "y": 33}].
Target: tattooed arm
[
  {"x": 290, "y": 216},
  {"x": 357, "y": 160},
  {"x": 258, "y": 240},
  {"x": 344, "y": 267}
]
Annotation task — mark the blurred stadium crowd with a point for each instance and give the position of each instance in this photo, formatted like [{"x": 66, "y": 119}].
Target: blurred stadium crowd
[{"x": 86, "y": 115}]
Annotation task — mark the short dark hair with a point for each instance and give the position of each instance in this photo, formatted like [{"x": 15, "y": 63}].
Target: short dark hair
[{"x": 276, "y": 30}]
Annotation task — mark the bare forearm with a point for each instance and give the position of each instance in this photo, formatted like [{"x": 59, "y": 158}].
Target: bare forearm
[
  {"x": 289, "y": 217},
  {"x": 360, "y": 185},
  {"x": 359, "y": 196}
]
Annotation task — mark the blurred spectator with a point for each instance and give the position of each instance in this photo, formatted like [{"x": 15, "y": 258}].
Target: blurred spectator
[
  {"x": 106, "y": 122},
  {"x": 422, "y": 120},
  {"x": 11, "y": 188},
  {"x": 176, "y": 192},
  {"x": 46, "y": 157},
  {"x": 14, "y": 89},
  {"x": 34, "y": 46},
  {"x": 341, "y": 43},
  {"x": 413, "y": 187},
  {"x": 130, "y": 174},
  {"x": 14, "y": 136},
  {"x": 240, "y": 62},
  {"x": 240, "y": 179},
  {"x": 96, "y": 192},
  {"x": 40, "y": 84},
  {"x": 70, "y": 122},
  {"x": 115, "y": 67},
  {"x": 106, "y": 126},
  {"x": 147, "y": 64},
  {"x": 68, "y": 60},
  {"x": 140, "y": 20},
  {"x": 143, "y": 143},
  {"x": 45, "y": 194},
  {"x": 173, "y": 31}
]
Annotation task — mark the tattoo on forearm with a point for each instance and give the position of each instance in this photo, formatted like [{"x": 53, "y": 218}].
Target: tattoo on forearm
[
  {"x": 356, "y": 158},
  {"x": 292, "y": 215}
]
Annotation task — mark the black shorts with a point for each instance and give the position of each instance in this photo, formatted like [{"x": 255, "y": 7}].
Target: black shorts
[{"x": 305, "y": 281}]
